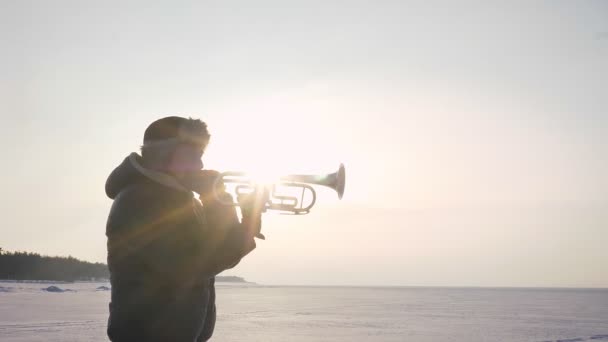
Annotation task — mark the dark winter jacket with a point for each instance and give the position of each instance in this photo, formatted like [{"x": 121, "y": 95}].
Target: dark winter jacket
[{"x": 164, "y": 250}]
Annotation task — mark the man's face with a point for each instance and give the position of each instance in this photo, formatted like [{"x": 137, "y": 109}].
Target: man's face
[{"x": 186, "y": 159}]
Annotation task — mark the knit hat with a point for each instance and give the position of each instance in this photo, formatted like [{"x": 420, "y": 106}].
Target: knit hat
[{"x": 174, "y": 129}]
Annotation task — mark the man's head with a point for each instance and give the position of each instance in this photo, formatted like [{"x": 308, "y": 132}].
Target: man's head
[{"x": 175, "y": 145}]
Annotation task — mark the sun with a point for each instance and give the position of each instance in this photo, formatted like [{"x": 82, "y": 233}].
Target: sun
[
  {"x": 276, "y": 135},
  {"x": 268, "y": 150}
]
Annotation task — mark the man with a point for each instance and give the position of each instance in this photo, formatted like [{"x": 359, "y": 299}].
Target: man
[{"x": 165, "y": 246}]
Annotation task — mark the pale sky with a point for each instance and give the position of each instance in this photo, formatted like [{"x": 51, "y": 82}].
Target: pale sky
[{"x": 475, "y": 135}]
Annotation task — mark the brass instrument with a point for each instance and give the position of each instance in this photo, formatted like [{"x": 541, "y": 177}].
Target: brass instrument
[{"x": 271, "y": 196}]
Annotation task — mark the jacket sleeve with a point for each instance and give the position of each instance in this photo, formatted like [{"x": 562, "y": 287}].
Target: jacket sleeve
[
  {"x": 228, "y": 239},
  {"x": 141, "y": 236},
  {"x": 211, "y": 316}
]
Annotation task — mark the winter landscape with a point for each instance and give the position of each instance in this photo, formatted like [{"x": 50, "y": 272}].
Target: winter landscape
[
  {"x": 31, "y": 311},
  {"x": 459, "y": 151}
]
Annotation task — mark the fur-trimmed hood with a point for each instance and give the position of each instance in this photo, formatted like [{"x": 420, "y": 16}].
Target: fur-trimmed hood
[{"x": 131, "y": 171}]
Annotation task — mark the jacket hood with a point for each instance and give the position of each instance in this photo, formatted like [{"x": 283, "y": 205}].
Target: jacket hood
[{"x": 131, "y": 171}]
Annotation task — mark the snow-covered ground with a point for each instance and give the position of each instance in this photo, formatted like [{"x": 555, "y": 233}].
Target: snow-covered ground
[{"x": 30, "y": 312}]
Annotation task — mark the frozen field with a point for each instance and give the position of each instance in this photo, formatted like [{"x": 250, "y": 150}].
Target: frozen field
[{"x": 261, "y": 313}]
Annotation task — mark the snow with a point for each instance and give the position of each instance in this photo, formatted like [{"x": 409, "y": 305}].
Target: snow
[{"x": 274, "y": 313}]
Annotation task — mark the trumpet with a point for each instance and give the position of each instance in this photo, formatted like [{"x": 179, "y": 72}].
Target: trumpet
[{"x": 271, "y": 195}]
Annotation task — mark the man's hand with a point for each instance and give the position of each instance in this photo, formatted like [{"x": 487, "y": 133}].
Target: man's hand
[
  {"x": 252, "y": 206},
  {"x": 203, "y": 183},
  {"x": 253, "y": 203}
]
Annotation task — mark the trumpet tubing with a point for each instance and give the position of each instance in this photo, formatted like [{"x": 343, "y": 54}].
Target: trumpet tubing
[{"x": 275, "y": 199}]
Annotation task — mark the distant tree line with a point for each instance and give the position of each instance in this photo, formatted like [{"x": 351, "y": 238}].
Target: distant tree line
[
  {"x": 33, "y": 266},
  {"x": 230, "y": 279}
]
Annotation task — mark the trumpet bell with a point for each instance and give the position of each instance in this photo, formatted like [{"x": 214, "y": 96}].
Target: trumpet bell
[
  {"x": 276, "y": 200},
  {"x": 336, "y": 180},
  {"x": 340, "y": 182}
]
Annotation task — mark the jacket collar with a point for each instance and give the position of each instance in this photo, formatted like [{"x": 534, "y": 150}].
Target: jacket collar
[{"x": 158, "y": 177}]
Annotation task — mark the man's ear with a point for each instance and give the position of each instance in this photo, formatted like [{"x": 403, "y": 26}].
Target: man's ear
[{"x": 171, "y": 161}]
